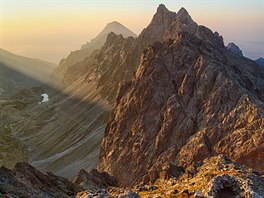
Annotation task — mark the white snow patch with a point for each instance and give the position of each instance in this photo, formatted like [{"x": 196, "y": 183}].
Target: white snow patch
[
  {"x": 2, "y": 90},
  {"x": 45, "y": 97}
]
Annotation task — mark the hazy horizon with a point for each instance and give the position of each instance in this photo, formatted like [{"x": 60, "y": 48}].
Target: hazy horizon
[{"x": 50, "y": 30}]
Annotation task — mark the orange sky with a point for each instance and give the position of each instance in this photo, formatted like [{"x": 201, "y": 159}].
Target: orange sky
[{"x": 51, "y": 29}]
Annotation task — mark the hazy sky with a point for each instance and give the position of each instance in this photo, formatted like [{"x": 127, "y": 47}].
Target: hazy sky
[{"x": 50, "y": 29}]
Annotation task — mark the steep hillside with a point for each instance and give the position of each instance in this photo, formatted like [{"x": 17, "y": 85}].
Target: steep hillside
[
  {"x": 22, "y": 81},
  {"x": 11, "y": 80},
  {"x": 189, "y": 99}
]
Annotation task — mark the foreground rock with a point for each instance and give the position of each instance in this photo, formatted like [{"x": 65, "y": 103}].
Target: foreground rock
[
  {"x": 109, "y": 193},
  {"x": 94, "y": 180},
  {"x": 26, "y": 181},
  {"x": 216, "y": 177}
]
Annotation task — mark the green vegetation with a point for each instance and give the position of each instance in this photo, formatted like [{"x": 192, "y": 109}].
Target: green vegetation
[{"x": 11, "y": 149}]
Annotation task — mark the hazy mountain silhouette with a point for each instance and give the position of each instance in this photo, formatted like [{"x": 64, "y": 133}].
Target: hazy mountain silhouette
[
  {"x": 87, "y": 49},
  {"x": 35, "y": 68}
]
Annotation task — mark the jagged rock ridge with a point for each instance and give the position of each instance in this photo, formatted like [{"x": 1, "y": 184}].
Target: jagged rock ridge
[
  {"x": 260, "y": 62},
  {"x": 88, "y": 48},
  {"x": 116, "y": 62},
  {"x": 189, "y": 99},
  {"x": 234, "y": 48},
  {"x": 214, "y": 177},
  {"x": 26, "y": 181}
]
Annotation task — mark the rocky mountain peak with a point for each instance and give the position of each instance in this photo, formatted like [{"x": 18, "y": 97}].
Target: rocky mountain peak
[
  {"x": 232, "y": 47},
  {"x": 162, "y": 8},
  {"x": 117, "y": 28},
  {"x": 183, "y": 14},
  {"x": 162, "y": 16},
  {"x": 113, "y": 23},
  {"x": 88, "y": 48}
]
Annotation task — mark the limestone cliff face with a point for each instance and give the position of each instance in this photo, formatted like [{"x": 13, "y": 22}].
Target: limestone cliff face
[{"x": 187, "y": 101}]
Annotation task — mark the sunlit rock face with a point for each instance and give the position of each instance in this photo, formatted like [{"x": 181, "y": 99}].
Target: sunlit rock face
[{"x": 189, "y": 99}]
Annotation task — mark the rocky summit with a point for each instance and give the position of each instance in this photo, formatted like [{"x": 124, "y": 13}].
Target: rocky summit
[
  {"x": 232, "y": 47},
  {"x": 189, "y": 99}
]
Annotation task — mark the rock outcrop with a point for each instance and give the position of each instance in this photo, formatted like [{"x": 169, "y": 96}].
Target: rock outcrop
[
  {"x": 188, "y": 100},
  {"x": 26, "y": 181},
  {"x": 260, "y": 62},
  {"x": 215, "y": 177},
  {"x": 232, "y": 47},
  {"x": 94, "y": 180}
]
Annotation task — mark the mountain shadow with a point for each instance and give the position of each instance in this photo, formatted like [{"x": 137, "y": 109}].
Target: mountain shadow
[{"x": 53, "y": 135}]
